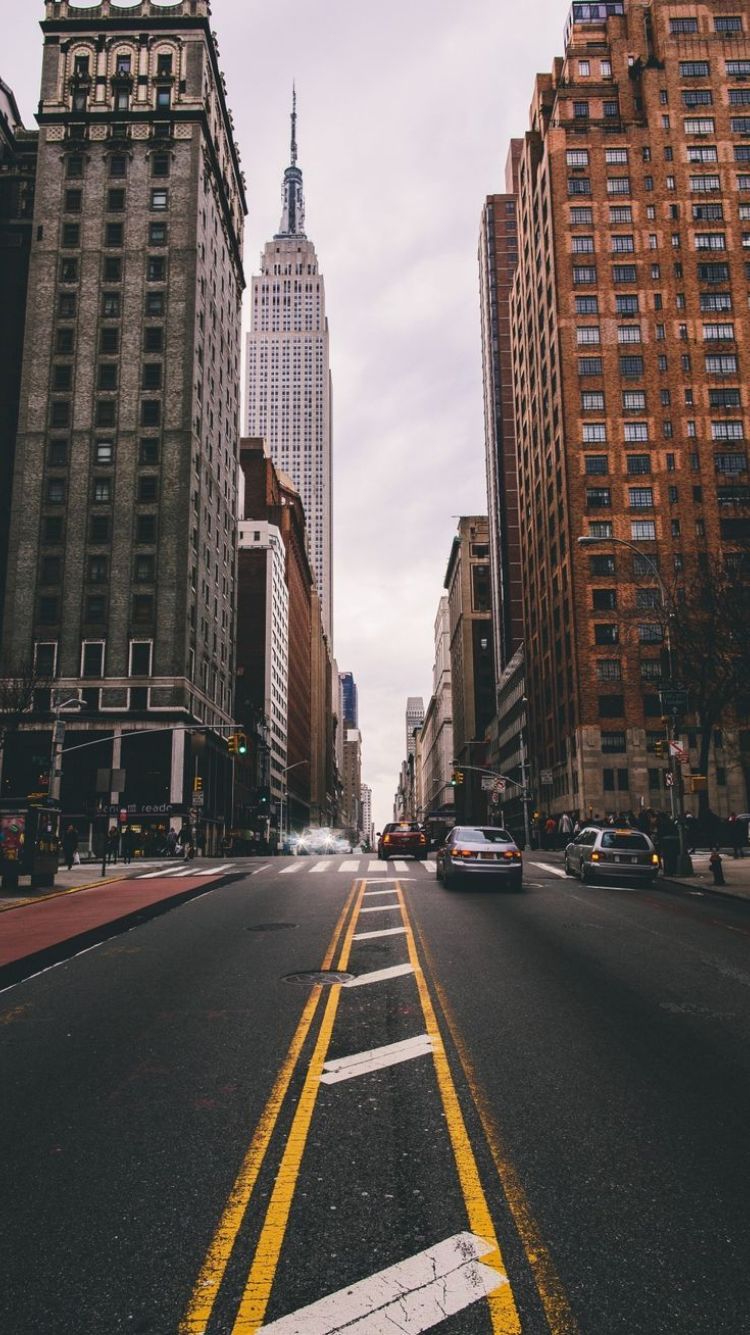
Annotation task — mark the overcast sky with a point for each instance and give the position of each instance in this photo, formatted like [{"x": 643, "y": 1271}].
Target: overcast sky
[{"x": 405, "y": 112}]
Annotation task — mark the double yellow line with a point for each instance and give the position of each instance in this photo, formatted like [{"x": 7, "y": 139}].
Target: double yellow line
[
  {"x": 253, "y": 1306},
  {"x": 206, "y": 1289}
]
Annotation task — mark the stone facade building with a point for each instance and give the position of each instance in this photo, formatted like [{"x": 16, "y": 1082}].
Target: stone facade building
[
  {"x": 436, "y": 737},
  {"x": 121, "y": 581},
  {"x": 262, "y": 696},
  {"x": 18, "y": 152},
  {"x": 467, "y": 583},
  {"x": 629, "y": 324}
]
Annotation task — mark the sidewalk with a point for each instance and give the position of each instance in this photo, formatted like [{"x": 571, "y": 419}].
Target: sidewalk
[
  {"x": 736, "y": 874},
  {"x": 81, "y": 876},
  {"x": 37, "y": 933}
]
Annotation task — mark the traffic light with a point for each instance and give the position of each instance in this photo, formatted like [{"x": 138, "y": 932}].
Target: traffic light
[
  {"x": 264, "y": 796},
  {"x": 197, "y": 784},
  {"x": 458, "y": 778},
  {"x": 241, "y": 741},
  {"x": 659, "y": 748},
  {"x": 232, "y": 741}
]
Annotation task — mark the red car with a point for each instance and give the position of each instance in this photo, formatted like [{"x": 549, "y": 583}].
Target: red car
[{"x": 403, "y": 837}]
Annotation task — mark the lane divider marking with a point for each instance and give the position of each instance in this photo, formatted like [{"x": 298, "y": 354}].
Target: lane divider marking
[
  {"x": 412, "y": 1296},
  {"x": 211, "y": 1276},
  {"x": 380, "y": 975},
  {"x": 385, "y": 931},
  {"x": 380, "y": 908},
  {"x": 257, "y": 1292},
  {"x": 501, "y": 1303},
  {"x": 547, "y": 866},
  {"x": 369, "y": 894},
  {"x": 554, "y": 1299},
  {"x": 377, "y": 1059}
]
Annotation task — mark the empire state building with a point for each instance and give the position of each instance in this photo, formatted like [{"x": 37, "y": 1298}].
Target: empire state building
[{"x": 288, "y": 372}]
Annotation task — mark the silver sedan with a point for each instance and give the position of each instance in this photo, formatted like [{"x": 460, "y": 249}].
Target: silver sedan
[{"x": 480, "y": 852}]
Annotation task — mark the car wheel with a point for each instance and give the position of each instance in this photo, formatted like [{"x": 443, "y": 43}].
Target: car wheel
[
  {"x": 584, "y": 873},
  {"x": 568, "y": 872},
  {"x": 516, "y": 884}
]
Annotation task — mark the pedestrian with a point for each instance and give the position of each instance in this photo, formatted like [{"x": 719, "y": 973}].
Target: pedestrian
[
  {"x": 113, "y": 844},
  {"x": 714, "y": 863},
  {"x": 550, "y": 830},
  {"x": 128, "y": 841},
  {"x": 566, "y": 828},
  {"x": 70, "y": 845},
  {"x": 736, "y": 836},
  {"x": 172, "y": 840},
  {"x": 691, "y": 831}
]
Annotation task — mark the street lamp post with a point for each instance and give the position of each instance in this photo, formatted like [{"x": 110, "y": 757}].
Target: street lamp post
[
  {"x": 285, "y": 793},
  {"x": 685, "y": 867}
]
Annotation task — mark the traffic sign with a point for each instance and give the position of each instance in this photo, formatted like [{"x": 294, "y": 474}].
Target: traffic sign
[
  {"x": 678, "y": 752},
  {"x": 669, "y": 779},
  {"x": 546, "y": 778},
  {"x": 674, "y": 700},
  {"x": 199, "y": 799}
]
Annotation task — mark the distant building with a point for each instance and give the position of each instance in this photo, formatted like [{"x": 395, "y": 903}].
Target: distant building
[
  {"x": 350, "y": 699},
  {"x": 498, "y": 257},
  {"x": 414, "y": 719},
  {"x": 467, "y": 582},
  {"x": 288, "y": 373},
  {"x": 436, "y": 737},
  {"x": 366, "y": 802},
  {"x": 352, "y": 810},
  {"x": 262, "y": 697},
  {"x": 18, "y": 155}
]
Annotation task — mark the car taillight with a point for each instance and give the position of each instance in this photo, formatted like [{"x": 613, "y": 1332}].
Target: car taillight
[
  {"x": 387, "y": 839},
  {"x": 655, "y": 858},
  {"x": 512, "y": 856},
  {"x": 594, "y": 857},
  {"x": 422, "y": 839}
]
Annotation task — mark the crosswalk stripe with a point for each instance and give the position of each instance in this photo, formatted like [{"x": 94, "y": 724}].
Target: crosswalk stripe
[
  {"x": 349, "y": 866},
  {"x": 152, "y": 875},
  {"x": 293, "y": 866},
  {"x": 319, "y": 867},
  {"x": 401, "y": 866},
  {"x": 385, "y": 931},
  {"x": 376, "y": 866}
]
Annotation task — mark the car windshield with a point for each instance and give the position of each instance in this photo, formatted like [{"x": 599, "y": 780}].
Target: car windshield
[
  {"x": 404, "y": 827},
  {"x": 631, "y": 841},
  {"x": 485, "y": 836}
]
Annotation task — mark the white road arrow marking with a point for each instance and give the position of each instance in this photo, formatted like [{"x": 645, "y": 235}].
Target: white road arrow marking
[
  {"x": 347, "y": 1068},
  {"x": 381, "y": 975},
  {"x": 411, "y": 1297}
]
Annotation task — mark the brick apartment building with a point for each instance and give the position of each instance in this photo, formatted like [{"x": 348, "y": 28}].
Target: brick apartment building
[
  {"x": 121, "y": 578},
  {"x": 630, "y": 328}
]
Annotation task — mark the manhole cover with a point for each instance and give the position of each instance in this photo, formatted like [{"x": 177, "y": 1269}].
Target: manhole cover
[
  {"x": 322, "y": 977},
  {"x": 271, "y": 927}
]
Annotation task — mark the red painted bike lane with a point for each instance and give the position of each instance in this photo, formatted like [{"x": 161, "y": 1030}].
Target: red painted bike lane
[{"x": 33, "y": 936}]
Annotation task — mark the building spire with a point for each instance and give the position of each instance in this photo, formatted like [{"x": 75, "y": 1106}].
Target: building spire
[{"x": 293, "y": 217}]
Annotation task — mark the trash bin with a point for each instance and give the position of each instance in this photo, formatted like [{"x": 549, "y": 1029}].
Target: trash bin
[{"x": 670, "y": 853}]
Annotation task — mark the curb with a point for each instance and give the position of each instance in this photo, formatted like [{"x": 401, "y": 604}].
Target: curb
[
  {"x": 714, "y": 890},
  {"x": 28, "y": 965},
  {"x": 58, "y": 894}
]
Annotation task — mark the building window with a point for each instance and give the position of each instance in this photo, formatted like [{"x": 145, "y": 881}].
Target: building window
[
  {"x": 157, "y": 234},
  {"x": 588, "y": 366},
  {"x": 613, "y": 741},
  {"x": 144, "y": 570},
  {"x": 159, "y": 200},
  {"x": 104, "y": 452},
  {"x": 140, "y": 658},
  {"x": 110, "y": 305},
  {"x": 107, "y": 378},
  {"x": 150, "y": 412},
  {"x": 606, "y": 634},
  {"x": 102, "y": 492},
  {"x": 145, "y": 528},
  {"x": 650, "y": 632},
  {"x": 114, "y": 234},
  {"x": 69, "y": 271},
  {"x": 155, "y": 303},
  {"x": 598, "y": 498},
  {"x": 643, "y": 530},
  {"x": 597, "y": 465},
  {"x": 143, "y": 608},
  {"x": 95, "y": 608},
  {"x": 148, "y": 487},
  {"x": 57, "y": 453},
  {"x": 638, "y": 464},
  {"x": 105, "y": 412},
  {"x": 604, "y": 600},
  {"x": 631, "y": 367},
  {"x": 156, "y": 269},
  {"x": 600, "y": 566},
  {"x": 48, "y": 610},
  {"x": 611, "y": 706},
  {"x": 149, "y": 451},
  {"x": 62, "y": 377},
  {"x": 633, "y": 400}
]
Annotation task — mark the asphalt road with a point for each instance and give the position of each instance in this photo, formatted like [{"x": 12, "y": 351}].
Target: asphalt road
[{"x": 533, "y": 1117}]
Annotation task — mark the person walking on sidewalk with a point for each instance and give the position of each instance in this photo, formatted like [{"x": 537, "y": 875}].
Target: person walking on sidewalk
[
  {"x": 70, "y": 845},
  {"x": 128, "y": 841},
  {"x": 113, "y": 844},
  {"x": 717, "y": 871}
]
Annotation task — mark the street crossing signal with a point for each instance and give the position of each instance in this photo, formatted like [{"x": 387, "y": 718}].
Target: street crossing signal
[{"x": 458, "y": 778}]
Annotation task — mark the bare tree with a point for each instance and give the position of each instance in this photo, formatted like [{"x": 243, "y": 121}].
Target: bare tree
[
  {"x": 18, "y": 685},
  {"x": 709, "y": 629}
]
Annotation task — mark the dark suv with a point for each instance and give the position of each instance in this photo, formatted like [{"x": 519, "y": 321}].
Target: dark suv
[{"x": 402, "y": 837}]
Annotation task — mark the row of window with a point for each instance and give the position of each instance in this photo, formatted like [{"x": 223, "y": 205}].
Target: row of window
[
  {"x": 723, "y": 23},
  {"x": 109, "y": 340},
  {"x": 632, "y": 366},
  {"x": 629, "y": 303},
  {"x": 99, "y": 530},
  {"x": 595, "y": 433},
  {"x": 102, "y": 490},
  {"x": 97, "y": 570},
  {"x": 103, "y": 452},
  {"x": 107, "y": 376},
  {"x": 156, "y": 270},
  {"x": 93, "y": 657},
  {"x": 105, "y": 413},
  {"x": 142, "y": 609},
  {"x": 114, "y": 235},
  {"x": 160, "y": 165}
]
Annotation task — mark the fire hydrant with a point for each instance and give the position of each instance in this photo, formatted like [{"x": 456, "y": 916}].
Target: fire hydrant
[{"x": 717, "y": 869}]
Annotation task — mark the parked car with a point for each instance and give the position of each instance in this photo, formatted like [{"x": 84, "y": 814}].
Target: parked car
[
  {"x": 600, "y": 853},
  {"x": 485, "y": 852},
  {"x": 403, "y": 838}
]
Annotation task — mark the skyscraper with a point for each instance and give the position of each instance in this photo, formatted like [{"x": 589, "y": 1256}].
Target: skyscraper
[
  {"x": 121, "y": 577},
  {"x": 629, "y": 328},
  {"x": 288, "y": 372},
  {"x": 414, "y": 719},
  {"x": 350, "y": 697}
]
